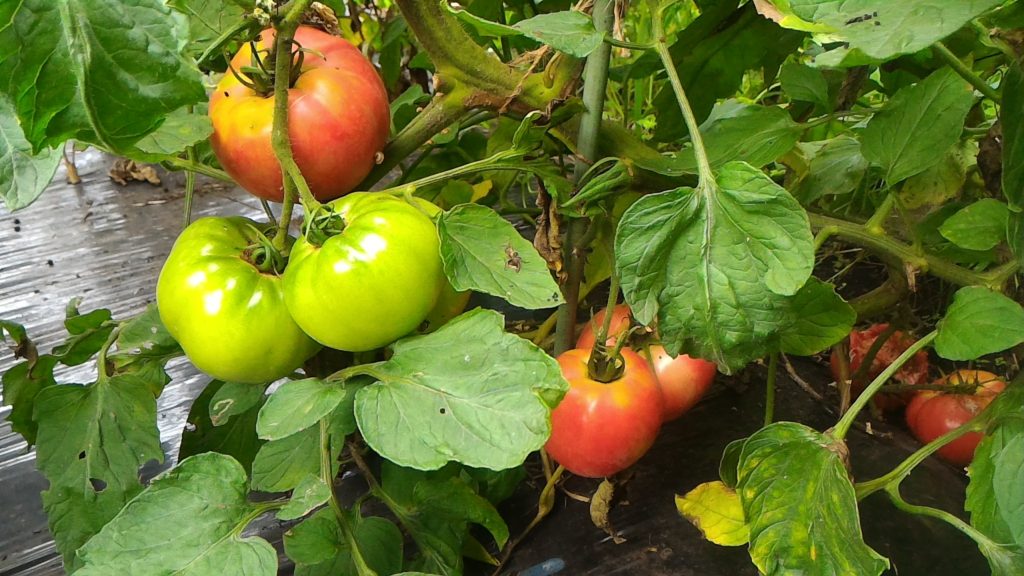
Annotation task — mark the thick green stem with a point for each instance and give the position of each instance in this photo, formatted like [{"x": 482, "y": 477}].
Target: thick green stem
[
  {"x": 198, "y": 168},
  {"x": 769, "y": 397},
  {"x": 966, "y": 73},
  {"x": 493, "y": 162},
  {"x": 290, "y": 174},
  {"x": 967, "y": 529},
  {"x": 101, "y": 360},
  {"x": 661, "y": 47},
  {"x": 327, "y": 475},
  {"x": 895, "y": 476},
  {"x": 861, "y": 236},
  {"x": 613, "y": 298},
  {"x": 595, "y": 82},
  {"x": 874, "y": 224},
  {"x": 843, "y": 426}
]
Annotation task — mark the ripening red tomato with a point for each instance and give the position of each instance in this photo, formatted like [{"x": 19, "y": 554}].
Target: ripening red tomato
[
  {"x": 338, "y": 119},
  {"x": 932, "y": 413},
  {"x": 621, "y": 318},
  {"x": 683, "y": 380},
  {"x": 914, "y": 372},
  {"x": 602, "y": 428}
]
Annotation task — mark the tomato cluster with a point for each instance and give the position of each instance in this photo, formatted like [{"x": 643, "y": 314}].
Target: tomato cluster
[
  {"x": 601, "y": 428},
  {"x": 367, "y": 269}
]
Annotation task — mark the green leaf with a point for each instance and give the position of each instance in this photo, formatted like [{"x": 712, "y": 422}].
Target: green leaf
[
  {"x": 456, "y": 501},
  {"x": 728, "y": 467},
  {"x": 979, "y": 322},
  {"x": 181, "y": 130},
  {"x": 90, "y": 444},
  {"x": 716, "y": 267},
  {"x": 818, "y": 531},
  {"x": 568, "y": 31},
  {"x": 980, "y": 226},
  {"x": 21, "y": 385},
  {"x": 235, "y": 437},
  {"x": 482, "y": 251},
  {"x": 404, "y": 108},
  {"x": 23, "y": 175},
  {"x": 940, "y": 183},
  {"x": 318, "y": 548},
  {"x": 208, "y": 20},
  {"x": 233, "y": 399},
  {"x": 485, "y": 405},
  {"x": 1015, "y": 235},
  {"x": 87, "y": 334},
  {"x": 820, "y": 318},
  {"x": 14, "y": 331},
  {"x": 71, "y": 71},
  {"x": 918, "y": 126},
  {"x": 804, "y": 83},
  {"x": 756, "y": 135},
  {"x": 193, "y": 517},
  {"x": 310, "y": 493},
  {"x": 281, "y": 465},
  {"x": 715, "y": 510},
  {"x": 1011, "y": 116},
  {"x": 881, "y": 30},
  {"x": 713, "y": 56},
  {"x": 297, "y": 405},
  {"x": 145, "y": 332},
  {"x": 837, "y": 168},
  {"x": 994, "y": 496}
]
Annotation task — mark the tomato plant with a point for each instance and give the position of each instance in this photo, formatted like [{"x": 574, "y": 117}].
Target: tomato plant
[
  {"x": 221, "y": 299},
  {"x": 338, "y": 117},
  {"x": 374, "y": 280},
  {"x": 601, "y": 428},
  {"x": 932, "y": 413},
  {"x": 861, "y": 342}
]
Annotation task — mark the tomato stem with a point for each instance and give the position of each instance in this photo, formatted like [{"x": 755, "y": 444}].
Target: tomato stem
[
  {"x": 769, "y": 398},
  {"x": 860, "y": 375},
  {"x": 327, "y": 475},
  {"x": 843, "y": 426},
  {"x": 101, "y": 360},
  {"x": 966, "y": 73},
  {"x": 613, "y": 296},
  {"x": 974, "y": 534}
]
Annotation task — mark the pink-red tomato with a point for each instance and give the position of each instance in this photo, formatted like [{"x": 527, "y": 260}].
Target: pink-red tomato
[
  {"x": 914, "y": 372},
  {"x": 602, "y": 428},
  {"x": 683, "y": 380},
  {"x": 338, "y": 119},
  {"x": 621, "y": 318},
  {"x": 932, "y": 413}
]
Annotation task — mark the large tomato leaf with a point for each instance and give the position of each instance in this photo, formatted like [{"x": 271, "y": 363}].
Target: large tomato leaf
[
  {"x": 469, "y": 392},
  {"x": 805, "y": 83},
  {"x": 979, "y": 322},
  {"x": 24, "y": 175},
  {"x": 318, "y": 548},
  {"x": 717, "y": 265},
  {"x": 285, "y": 463},
  {"x": 880, "y": 29},
  {"x": 1011, "y": 115},
  {"x": 482, "y": 251},
  {"x": 100, "y": 71},
  {"x": 838, "y": 167},
  {"x": 819, "y": 319},
  {"x": 181, "y": 130},
  {"x": 208, "y": 20},
  {"x": 298, "y": 404},
  {"x": 817, "y": 531},
  {"x": 918, "y": 125},
  {"x": 193, "y": 517},
  {"x": 90, "y": 444}
]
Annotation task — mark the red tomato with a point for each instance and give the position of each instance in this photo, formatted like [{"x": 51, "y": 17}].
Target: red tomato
[
  {"x": 599, "y": 429},
  {"x": 683, "y": 380},
  {"x": 933, "y": 413},
  {"x": 621, "y": 318},
  {"x": 914, "y": 372},
  {"x": 338, "y": 119}
]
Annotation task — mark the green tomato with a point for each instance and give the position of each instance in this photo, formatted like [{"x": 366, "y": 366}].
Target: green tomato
[
  {"x": 229, "y": 317},
  {"x": 371, "y": 283},
  {"x": 449, "y": 303}
]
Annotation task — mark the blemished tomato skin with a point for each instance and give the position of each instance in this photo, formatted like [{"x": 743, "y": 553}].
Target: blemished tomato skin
[
  {"x": 683, "y": 380},
  {"x": 229, "y": 317},
  {"x": 932, "y": 413},
  {"x": 372, "y": 283},
  {"x": 338, "y": 120},
  {"x": 621, "y": 318},
  {"x": 599, "y": 429},
  {"x": 914, "y": 372}
]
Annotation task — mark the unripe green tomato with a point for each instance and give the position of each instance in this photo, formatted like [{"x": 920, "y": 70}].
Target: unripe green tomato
[
  {"x": 449, "y": 303},
  {"x": 373, "y": 282},
  {"x": 229, "y": 317}
]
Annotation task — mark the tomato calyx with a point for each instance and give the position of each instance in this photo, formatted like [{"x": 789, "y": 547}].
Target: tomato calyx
[
  {"x": 606, "y": 365},
  {"x": 259, "y": 76},
  {"x": 323, "y": 223},
  {"x": 262, "y": 255}
]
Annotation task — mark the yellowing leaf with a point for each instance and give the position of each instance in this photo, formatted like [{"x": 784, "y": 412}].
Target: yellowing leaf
[
  {"x": 715, "y": 510},
  {"x": 481, "y": 190}
]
